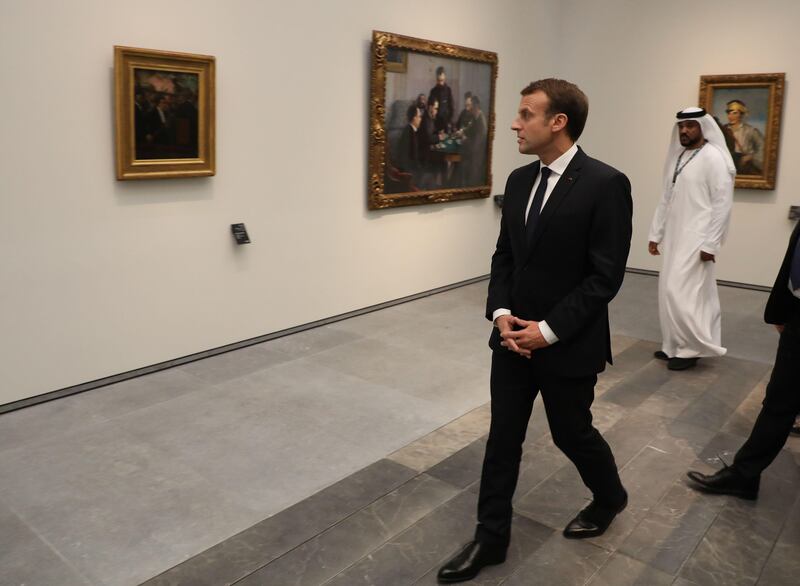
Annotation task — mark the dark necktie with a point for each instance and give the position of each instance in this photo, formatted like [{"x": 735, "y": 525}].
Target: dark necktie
[
  {"x": 536, "y": 205},
  {"x": 794, "y": 275}
]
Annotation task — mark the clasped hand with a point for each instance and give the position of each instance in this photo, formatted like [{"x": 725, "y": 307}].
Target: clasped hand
[{"x": 522, "y": 341}]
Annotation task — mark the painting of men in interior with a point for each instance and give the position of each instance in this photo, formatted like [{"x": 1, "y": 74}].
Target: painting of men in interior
[
  {"x": 453, "y": 149},
  {"x": 165, "y": 114}
]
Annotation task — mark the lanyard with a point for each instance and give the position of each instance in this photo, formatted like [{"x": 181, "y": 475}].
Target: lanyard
[{"x": 679, "y": 167}]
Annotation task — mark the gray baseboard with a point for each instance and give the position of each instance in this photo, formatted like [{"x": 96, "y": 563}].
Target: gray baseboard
[
  {"x": 110, "y": 380},
  {"x": 720, "y": 282}
]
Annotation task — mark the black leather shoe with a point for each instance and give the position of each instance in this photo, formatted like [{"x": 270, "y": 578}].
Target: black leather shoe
[
  {"x": 593, "y": 520},
  {"x": 661, "y": 355},
  {"x": 726, "y": 481},
  {"x": 681, "y": 363},
  {"x": 466, "y": 564}
]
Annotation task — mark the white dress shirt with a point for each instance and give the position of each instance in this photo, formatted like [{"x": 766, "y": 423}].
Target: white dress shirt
[{"x": 557, "y": 169}]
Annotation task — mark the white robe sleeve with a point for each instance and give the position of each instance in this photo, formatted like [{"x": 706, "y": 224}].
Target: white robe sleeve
[
  {"x": 659, "y": 218},
  {"x": 720, "y": 189}
]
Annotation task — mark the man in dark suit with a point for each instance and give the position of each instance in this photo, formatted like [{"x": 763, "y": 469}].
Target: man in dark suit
[
  {"x": 443, "y": 94},
  {"x": 407, "y": 155},
  {"x": 564, "y": 240},
  {"x": 782, "y": 399},
  {"x": 432, "y": 168}
]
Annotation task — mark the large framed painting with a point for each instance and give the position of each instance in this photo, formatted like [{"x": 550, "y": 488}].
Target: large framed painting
[
  {"x": 431, "y": 121},
  {"x": 748, "y": 109},
  {"x": 164, "y": 114}
]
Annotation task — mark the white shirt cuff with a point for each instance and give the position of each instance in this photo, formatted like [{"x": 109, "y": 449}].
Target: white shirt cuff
[
  {"x": 498, "y": 312},
  {"x": 548, "y": 334}
]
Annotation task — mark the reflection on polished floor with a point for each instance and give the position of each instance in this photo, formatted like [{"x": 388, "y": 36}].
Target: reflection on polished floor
[{"x": 349, "y": 454}]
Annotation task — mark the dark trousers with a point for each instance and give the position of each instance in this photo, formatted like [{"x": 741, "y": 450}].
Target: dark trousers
[
  {"x": 515, "y": 382},
  {"x": 780, "y": 407}
]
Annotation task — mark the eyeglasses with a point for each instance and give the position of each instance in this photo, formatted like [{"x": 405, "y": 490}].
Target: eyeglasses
[{"x": 733, "y": 111}]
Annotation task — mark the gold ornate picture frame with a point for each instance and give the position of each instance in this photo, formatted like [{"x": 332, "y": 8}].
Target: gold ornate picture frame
[
  {"x": 748, "y": 108},
  {"x": 164, "y": 114},
  {"x": 431, "y": 122}
]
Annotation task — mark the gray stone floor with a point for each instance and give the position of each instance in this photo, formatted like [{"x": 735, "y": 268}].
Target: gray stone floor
[{"x": 349, "y": 454}]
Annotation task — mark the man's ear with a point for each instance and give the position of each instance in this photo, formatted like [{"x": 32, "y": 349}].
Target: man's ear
[{"x": 559, "y": 122}]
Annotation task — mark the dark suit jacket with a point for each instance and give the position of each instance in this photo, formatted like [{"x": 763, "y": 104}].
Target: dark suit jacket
[
  {"x": 573, "y": 267},
  {"x": 782, "y": 306},
  {"x": 444, "y": 95},
  {"x": 407, "y": 157},
  {"x": 426, "y": 137}
]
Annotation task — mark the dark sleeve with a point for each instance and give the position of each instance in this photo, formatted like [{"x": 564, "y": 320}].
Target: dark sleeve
[
  {"x": 781, "y": 300},
  {"x": 607, "y": 251},
  {"x": 502, "y": 267}
]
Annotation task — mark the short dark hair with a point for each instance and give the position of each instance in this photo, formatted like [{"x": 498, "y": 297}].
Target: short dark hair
[
  {"x": 467, "y": 95},
  {"x": 412, "y": 112},
  {"x": 440, "y": 70},
  {"x": 565, "y": 98}
]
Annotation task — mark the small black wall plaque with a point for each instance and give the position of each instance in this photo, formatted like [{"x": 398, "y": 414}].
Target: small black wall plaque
[{"x": 240, "y": 234}]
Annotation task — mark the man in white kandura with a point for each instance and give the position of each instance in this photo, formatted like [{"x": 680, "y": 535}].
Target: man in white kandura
[{"x": 691, "y": 221}]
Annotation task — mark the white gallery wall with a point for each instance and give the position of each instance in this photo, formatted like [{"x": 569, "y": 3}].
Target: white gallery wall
[
  {"x": 641, "y": 61},
  {"x": 98, "y": 277}
]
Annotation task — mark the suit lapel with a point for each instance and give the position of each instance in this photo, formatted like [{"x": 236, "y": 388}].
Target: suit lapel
[{"x": 559, "y": 194}]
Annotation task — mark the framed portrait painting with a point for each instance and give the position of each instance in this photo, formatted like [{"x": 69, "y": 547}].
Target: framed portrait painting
[
  {"x": 164, "y": 114},
  {"x": 748, "y": 109},
  {"x": 431, "y": 121}
]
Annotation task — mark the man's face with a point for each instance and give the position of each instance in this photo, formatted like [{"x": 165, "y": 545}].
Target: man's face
[
  {"x": 735, "y": 114},
  {"x": 690, "y": 134},
  {"x": 417, "y": 119},
  {"x": 468, "y": 105},
  {"x": 441, "y": 79},
  {"x": 433, "y": 109},
  {"x": 533, "y": 127}
]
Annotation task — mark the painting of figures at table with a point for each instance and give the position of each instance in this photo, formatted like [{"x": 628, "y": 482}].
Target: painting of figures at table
[
  {"x": 437, "y": 122},
  {"x": 166, "y": 114}
]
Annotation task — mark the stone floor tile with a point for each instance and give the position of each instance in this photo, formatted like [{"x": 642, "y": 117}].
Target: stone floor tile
[
  {"x": 59, "y": 418},
  {"x": 415, "y": 552},
  {"x": 647, "y": 477},
  {"x": 735, "y": 548},
  {"x": 736, "y": 380},
  {"x": 309, "y": 342},
  {"x": 332, "y": 551},
  {"x": 639, "y": 385},
  {"x": 783, "y": 564},
  {"x": 462, "y": 468},
  {"x": 556, "y": 500},
  {"x": 255, "y": 547},
  {"x": 674, "y": 396},
  {"x": 620, "y": 570},
  {"x": 441, "y": 443},
  {"x": 234, "y": 364},
  {"x": 25, "y": 559},
  {"x": 104, "y": 496},
  {"x": 671, "y": 530},
  {"x": 560, "y": 562}
]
